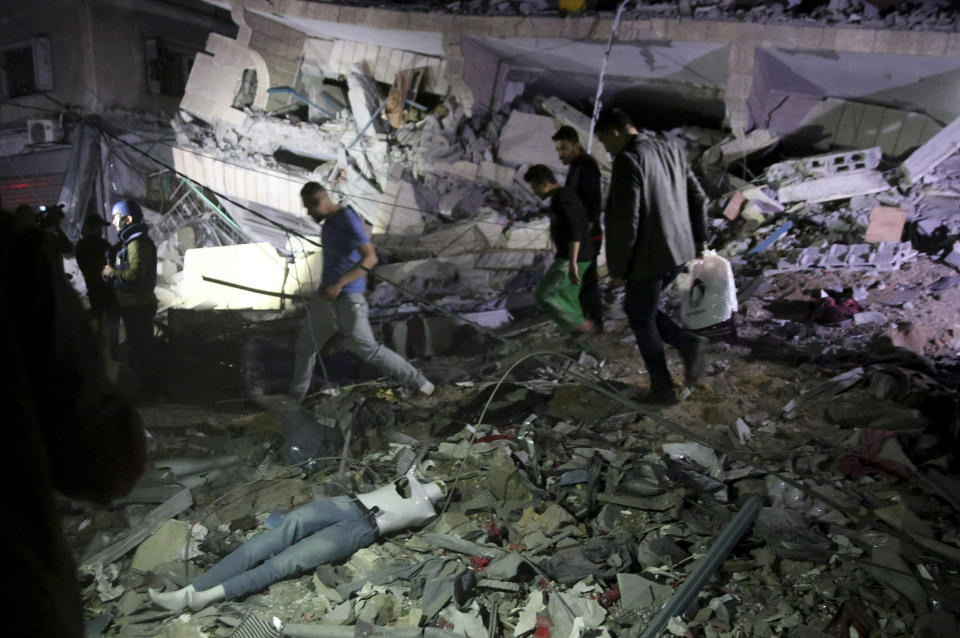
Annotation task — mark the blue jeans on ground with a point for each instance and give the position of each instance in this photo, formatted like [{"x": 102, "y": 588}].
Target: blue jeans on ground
[
  {"x": 317, "y": 533},
  {"x": 349, "y": 315}
]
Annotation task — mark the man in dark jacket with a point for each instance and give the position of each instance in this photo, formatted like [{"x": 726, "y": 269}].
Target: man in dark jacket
[
  {"x": 656, "y": 222},
  {"x": 91, "y": 251},
  {"x": 134, "y": 279},
  {"x": 583, "y": 179},
  {"x": 559, "y": 290}
]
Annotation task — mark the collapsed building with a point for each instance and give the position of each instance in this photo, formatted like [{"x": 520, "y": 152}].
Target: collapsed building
[{"x": 827, "y": 139}]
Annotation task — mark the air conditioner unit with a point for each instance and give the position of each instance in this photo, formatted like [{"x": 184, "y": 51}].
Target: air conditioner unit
[{"x": 41, "y": 131}]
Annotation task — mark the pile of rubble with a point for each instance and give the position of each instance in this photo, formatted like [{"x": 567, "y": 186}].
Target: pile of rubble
[
  {"x": 823, "y": 433},
  {"x": 571, "y": 510},
  {"x": 931, "y": 15}
]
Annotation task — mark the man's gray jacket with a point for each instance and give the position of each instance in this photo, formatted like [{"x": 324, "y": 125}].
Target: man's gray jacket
[{"x": 656, "y": 211}]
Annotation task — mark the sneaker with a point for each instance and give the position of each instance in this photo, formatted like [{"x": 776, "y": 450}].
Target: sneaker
[{"x": 694, "y": 361}]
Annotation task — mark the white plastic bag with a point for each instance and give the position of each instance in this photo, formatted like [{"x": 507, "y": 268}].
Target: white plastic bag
[{"x": 708, "y": 294}]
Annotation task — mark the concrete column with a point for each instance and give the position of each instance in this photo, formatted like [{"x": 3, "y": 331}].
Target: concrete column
[{"x": 739, "y": 83}]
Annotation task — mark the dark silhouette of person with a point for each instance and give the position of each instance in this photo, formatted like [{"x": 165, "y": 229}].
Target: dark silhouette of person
[{"x": 65, "y": 428}]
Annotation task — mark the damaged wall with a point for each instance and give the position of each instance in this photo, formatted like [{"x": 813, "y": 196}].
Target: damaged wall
[{"x": 97, "y": 51}]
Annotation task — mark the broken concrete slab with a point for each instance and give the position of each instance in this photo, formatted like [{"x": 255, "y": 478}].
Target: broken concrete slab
[
  {"x": 167, "y": 544},
  {"x": 257, "y": 266},
  {"x": 637, "y": 592},
  {"x": 399, "y": 212},
  {"x": 926, "y": 158},
  {"x": 833, "y": 187},
  {"x": 526, "y": 140},
  {"x": 733, "y": 150}
]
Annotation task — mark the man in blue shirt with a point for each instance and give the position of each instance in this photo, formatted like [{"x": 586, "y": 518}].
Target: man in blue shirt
[{"x": 339, "y": 304}]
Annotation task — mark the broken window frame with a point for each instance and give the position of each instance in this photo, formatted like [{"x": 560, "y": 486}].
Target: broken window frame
[
  {"x": 167, "y": 65},
  {"x": 36, "y": 79}
]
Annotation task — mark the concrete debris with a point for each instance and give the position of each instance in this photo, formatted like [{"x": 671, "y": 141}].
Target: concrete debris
[
  {"x": 827, "y": 165},
  {"x": 736, "y": 149},
  {"x": 932, "y": 153},
  {"x": 525, "y": 140},
  {"x": 572, "y": 510},
  {"x": 834, "y": 187}
]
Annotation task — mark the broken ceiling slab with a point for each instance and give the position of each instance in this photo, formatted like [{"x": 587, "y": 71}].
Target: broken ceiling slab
[
  {"x": 253, "y": 183},
  {"x": 566, "y": 115},
  {"x": 526, "y": 140},
  {"x": 254, "y": 265},
  {"x": 266, "y": 135},
  {"x": 826, "y": 189},
  {"x": 926, "y": 158},
  {"x": 834, "y": 121}
]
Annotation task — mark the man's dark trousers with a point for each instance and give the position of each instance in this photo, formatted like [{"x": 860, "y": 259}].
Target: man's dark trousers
[
  {"x": 590, "y": 298},
  {"x": 141, "y": 353},
  {"x": 653, "y": 328}
]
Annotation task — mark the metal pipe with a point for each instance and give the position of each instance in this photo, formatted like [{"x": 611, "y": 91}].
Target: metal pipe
[
  {"x": 688, "y": 591},
  {"x": 603, "y": 70}
]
